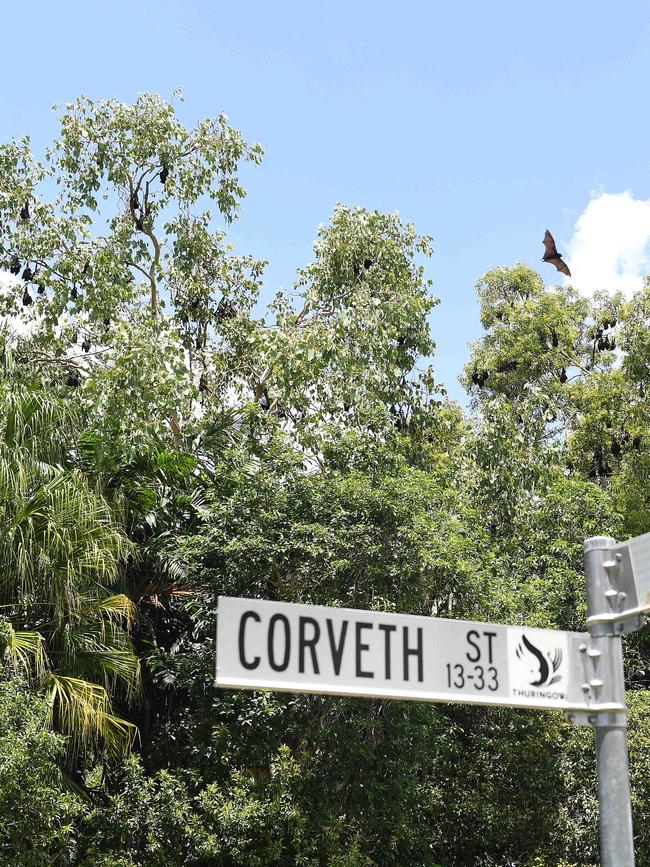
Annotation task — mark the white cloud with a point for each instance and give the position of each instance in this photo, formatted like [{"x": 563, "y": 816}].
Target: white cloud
[{"x": 610, "y": 247}]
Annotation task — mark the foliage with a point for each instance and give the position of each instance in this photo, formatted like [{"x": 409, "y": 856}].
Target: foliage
[
  {"x": 106, "y": 235},
  {"x": 164, "y": 440},
  {"x": 37, "y": 812},
  {"x": 62, "y": 549}
]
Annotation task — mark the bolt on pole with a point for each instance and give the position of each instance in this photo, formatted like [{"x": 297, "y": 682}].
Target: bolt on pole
[{"x": 615, "y": 808}]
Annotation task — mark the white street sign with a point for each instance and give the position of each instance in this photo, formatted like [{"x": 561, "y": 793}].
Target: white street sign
[{"x": 341, "y": 651}]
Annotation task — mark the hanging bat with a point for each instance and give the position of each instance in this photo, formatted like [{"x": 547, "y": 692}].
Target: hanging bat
[{"x": 551, "y": 254}]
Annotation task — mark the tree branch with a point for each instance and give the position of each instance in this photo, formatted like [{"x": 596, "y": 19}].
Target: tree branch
[{"x": 139, "y": 224}]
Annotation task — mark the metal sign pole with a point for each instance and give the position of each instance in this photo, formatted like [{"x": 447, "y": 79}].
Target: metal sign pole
[{"x": 616, "y": 839}]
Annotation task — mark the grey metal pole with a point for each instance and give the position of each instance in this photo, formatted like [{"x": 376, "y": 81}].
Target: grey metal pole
[{"x": 615, "y": 807}]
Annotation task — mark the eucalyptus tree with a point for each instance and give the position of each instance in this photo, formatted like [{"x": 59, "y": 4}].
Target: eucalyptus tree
[
  {"x": 120, "y": 273},
  {"x": 580, "y": 366}
]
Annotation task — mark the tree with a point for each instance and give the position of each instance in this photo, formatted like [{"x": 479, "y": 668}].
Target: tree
[
  {"x": 62, "y": 555},
  {"x": 121, "y": 242}
]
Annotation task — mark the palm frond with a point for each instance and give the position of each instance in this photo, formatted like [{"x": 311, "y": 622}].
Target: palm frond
[
  {"x": 62, "y": 553},
  {"x": 61, "y": 536},
  {"x": 37, "y": 422},
  {"x": 82, "y": 710},
  {"x": 101, "y": 650},
  {"x": 117, "y": 608},
  {"x": 25, "y": 650}
]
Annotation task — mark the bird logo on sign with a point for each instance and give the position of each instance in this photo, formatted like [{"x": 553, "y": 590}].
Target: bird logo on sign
[{"x": 543, "y": 665}]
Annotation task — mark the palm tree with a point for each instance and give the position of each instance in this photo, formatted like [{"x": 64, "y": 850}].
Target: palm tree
[{"x": 62, "y": 552}]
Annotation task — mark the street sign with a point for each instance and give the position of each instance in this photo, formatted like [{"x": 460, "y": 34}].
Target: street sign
[
  {"x": 622, "y": 591},
  {"x": 342, "y": 651}
]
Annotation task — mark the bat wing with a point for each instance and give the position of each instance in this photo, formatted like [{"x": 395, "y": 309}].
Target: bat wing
[
  {"x": 562, "y": 266},
  {"x": 550, "y": 251}
]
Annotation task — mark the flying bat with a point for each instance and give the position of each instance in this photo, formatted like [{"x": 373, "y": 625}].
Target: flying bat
[{"x": 551, "y": 254}]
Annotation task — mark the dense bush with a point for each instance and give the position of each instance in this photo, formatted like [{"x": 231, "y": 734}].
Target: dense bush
[{"x": 38, "y": 812}]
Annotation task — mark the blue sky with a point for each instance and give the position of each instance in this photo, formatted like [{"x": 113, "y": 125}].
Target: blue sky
[{"x": 484, "y": 123}]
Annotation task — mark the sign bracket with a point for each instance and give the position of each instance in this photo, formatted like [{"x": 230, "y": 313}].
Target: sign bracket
[{"x": 604, "y": 660}]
